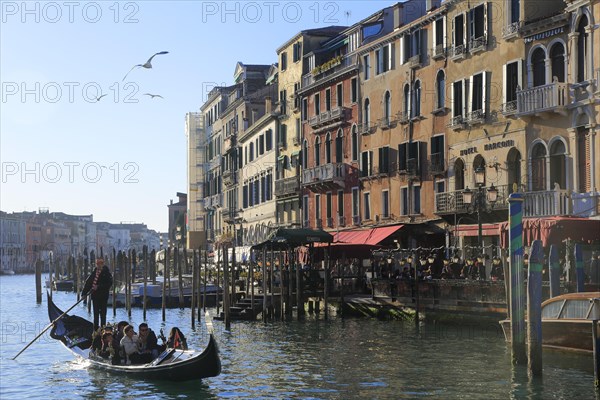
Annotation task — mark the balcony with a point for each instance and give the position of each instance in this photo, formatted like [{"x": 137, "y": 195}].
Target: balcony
[
  {"x": 478, "y": 44},
  {"x": 329, "y": 222},
  {"x": 328, "y": 70},
  {"x": 341, "y": 221},
  {"x": 319, "y": 223},
  {"x": 356, "y": 220},
  {"x": 403, "y": 117},
  {"x": 324, "y": 177},
  {"x": 375, "y": 172},
  {"x": 456, "y": 123},
  {"x": 437, "y": 165},
  {"x": 387, "y": 123},
  {"x": 229, "y": 178},
  {"x": 328, "y": 117},
  {"x": 476, "y": 117},
  {"x": 214, "y": 201},
  {"x": 228, "y": 143},
  {"x": 457, "y": 52},
  {"x": 365, "y": 128},
  {"x": 287, "y": 186},
  {"x": 511, "y": 31},
  {"x": 509, "y": 108},
  {"x": 414, "y": 61},
  {"x": 541, "y": 99},
  {"x": 438, "y": 52},
  {"x": 452, "y": 202},
  {"x": 546, "y": 203}
]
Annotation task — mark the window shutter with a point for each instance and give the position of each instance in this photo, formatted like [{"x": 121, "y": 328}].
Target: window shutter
[
  {"x": 485, "y": 19},
  {"x": 505, "y": 87},
  {"x": 453, "y": 32},
  {"x": 391, "y": 56},
  {"x": 444, "y": 36},
  {"x": 484, "y": 80},
  {"x": 465, "y": 26},
  {"x": 434, "y": 37},
  {"x": 402, "y": 50},
  {"x": 520, "y": 73},
  {"x": 465, "y": 98},
  {"x": 452, "y": 99}
]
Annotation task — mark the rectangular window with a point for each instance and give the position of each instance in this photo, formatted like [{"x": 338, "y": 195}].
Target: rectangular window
[
  {"x": 366, "y": 66},
  {"x": 437, "y": 152},
  {"x": 404, "y": 201},
  {"x": 283, "y": 101},
  {"x": 269, "y": 139},
  {"x": 328, "y": 210},
  {"x": 283, "y": 61},
  {"x": 459, "y": 33},
  {"x": 339, "y": 95},
  {"x": 477, "y": 22},
  {"x": 297, "y": 52},
  {"x": 318, "y": 206},
  {"x": 304, "y": 109},
  {"x": 298, "y": 129},
  {"x": 402, "y": 153},
  {"x": 439, "y": 32},
  {"x": 367, "y": 163},
  {"x": 340, "y": 203},
  {"x": 354, "y": 90},
  {"x": 263, "y": 189},
  {"x": 385, "y": 204},
  {"x": 515, "y": 11},
  {"x": 305, "y": 209},
  {"x": 457, "y": 98},
  {"x": 440, "y": 186},
  {"x": 328, "y": 100},
  {"x": 261, "y": 144},
  {"x": 378, "y": 61},
  {"x": 512, "y": 80},
  {"x": 414, "y": 157},
  {"x": 317, "y": 104},
  {"x": 384, "y": 160},
  {"x": 296, "y": 95},
  {"x": 355, "y": 202},
  {"x": 245, "y": 196},
  {"x": 477, "y": 94},
  {"x": 367, "y": 205},
  {"x": 417, "y": 200},
  {"x": 269, "y": 186}
]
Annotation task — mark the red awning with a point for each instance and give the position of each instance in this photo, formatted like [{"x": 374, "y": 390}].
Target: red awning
[
  {"x": 553, "y": 230},
  {"x": 473, "y": 230},
  {"x": 365, "y": 237}
]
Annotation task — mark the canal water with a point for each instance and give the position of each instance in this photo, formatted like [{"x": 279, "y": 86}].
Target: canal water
[{"x": 312, "y": 359}]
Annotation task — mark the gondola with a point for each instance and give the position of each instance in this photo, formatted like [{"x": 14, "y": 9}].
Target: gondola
[{"x": 75, "y": 333}]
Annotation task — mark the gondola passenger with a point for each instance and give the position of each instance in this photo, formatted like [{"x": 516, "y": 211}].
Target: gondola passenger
[
  {"x": 130, "y": 346},
  {"x": 176, "y": 339}
]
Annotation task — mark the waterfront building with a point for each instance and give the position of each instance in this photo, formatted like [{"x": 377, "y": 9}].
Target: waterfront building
[
  {"x": 178, "y": 219},
  {"x": 293, "y": 65},
  {"x": 12, "y": 243},
  {"x": 196, "y": 170}
]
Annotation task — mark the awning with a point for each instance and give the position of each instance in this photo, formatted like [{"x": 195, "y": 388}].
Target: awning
[
  {"x": 282, "y": 238},
  {"x": 365, "y": 237},
  {"x": 295, "y": 153},
  {"x": 553, "y": 230},
  {"x": 473, "y": 230}
]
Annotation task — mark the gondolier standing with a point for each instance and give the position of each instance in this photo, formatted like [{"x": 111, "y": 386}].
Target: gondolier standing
[{"x": 98, "y": 284}]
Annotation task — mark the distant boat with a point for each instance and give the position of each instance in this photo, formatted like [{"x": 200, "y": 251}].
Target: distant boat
[
  {"x": 566, "y": 321},
  {"x": 62, "y": 285},
  {"x": 7, "y": 272},
  {"x": 75, "y": 333}
]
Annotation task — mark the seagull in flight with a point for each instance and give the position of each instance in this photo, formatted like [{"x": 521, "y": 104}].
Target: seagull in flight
[
  {"x": 153, "y": 95},
  {"x": 100, "y": 97},
  {"x": 147, "y": 64}
]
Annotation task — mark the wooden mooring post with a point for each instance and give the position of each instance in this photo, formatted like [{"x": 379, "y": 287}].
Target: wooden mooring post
[
  {"x": 579, "y": 271},
  {"x": 205, "y": 281},
  {"x": 226, "y": 298},
  {"x": 596, "y": 351},
  {"x": 145, "y": 264},
  {"x": 164, "y": 288},
  {"x": 554, "y": 271},
  {"x": 326, "y": 283},
  {"x": 264, "y": 283},
  {"x": 38, "y": 281},
  {"x": 194, "y": 288},
  {"x": 534, "y": 308},
  {"x": 517, "y": 286}
]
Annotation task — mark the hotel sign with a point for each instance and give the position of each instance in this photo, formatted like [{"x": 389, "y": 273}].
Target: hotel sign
[
  {"x": 544, "y": 35},
  {"x": 490, "y": 146}
]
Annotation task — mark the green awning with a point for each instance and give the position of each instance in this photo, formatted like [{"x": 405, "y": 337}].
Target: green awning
[
  {"x": 295, "y": 153},
  {"x": 280, "y": 158}
]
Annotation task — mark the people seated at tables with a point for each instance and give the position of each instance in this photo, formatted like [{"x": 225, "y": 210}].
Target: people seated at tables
[
  {"x": 148, "y": 343},
  {"x": 176, "y": 339},
  {"x": 497, "y": 272}
]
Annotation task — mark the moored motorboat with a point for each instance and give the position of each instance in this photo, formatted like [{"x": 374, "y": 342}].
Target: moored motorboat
[
  {"x": 75, "y": 333},
  {"x": 566, "y": 321}
]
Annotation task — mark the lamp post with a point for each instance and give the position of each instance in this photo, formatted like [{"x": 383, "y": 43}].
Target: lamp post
[{"x": 478, "y": 200}]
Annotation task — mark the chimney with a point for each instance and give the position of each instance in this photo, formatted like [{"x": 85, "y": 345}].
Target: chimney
[{"x": 268, "y": 105}]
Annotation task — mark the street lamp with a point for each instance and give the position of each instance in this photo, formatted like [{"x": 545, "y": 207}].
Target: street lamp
[{"x": 478, "y": 200}]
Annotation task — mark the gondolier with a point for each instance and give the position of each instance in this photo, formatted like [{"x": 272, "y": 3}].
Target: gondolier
[{"x": 98, "y": 285}]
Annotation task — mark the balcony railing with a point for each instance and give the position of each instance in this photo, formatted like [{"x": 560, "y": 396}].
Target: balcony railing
[
  {"x": 341, "y": 220},
  {"x": 214, "y": 201},
  {"x": 439, "y": 51},
  {"x": 453, "y": 203},
  {"x": 347, "y": 63},
  {"x": 403, "y": 117},
  {"x": 287, "y": 186},
  {"x": 229, "y": 177},
  {"x": 414, "y": 61},
  {"x": 478, "y": 44},
  {"x": 476, "y": 117},
  {"x": 356, "y": 220},
  {"x": 228, "y": 143},
  {"x": 327, "y": 117},
  {"x": 547, "y": 203},
  {"x": 457, "y": 52},
  {"x": 547, "y": 98},
  {"x": 512, "y": 30},
  {"x": 437, "y": 165},
  {"x": 365, "y": 128},
  {"x": 509, "y": 108},
  {"x": 456, "y": 122},
  {"x": 324, "y": 176},
  {"x": 329, "y": 222},
  {"x": 319, "y": 223}
]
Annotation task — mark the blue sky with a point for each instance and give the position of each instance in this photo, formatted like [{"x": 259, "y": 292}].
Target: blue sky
[{"x": 124, "y": 157}]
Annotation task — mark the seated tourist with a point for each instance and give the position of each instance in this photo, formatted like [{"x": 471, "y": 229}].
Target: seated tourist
[
  {"x": 120, "y": 334},
  {"x": 148, "y": 343},
  {"x": 97, "y": 338},
  {"x": 109, "y": 350},
  {"x": 497, "y": 272},
  {"x": 176, "y": 339},
  {"x": 129, "y": 344}
]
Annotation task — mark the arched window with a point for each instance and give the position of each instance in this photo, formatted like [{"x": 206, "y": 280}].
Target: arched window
[
  {"x": 513, "y": 164},
  {"x": 582, "y": 40},
  {"x": 328, "y": 148},
  {"x": 406, "y": 101},
  {"x": 440, "y": 88},
  {"x": 367, "y": 112},
  {"x": 317, "y": 151},
  {"x": 354, "y": 143},
  {"x": 459, "y": 174},
  {"x": 417, "y": 100},
  {"x": 557, "y": 56},
  {"x": 479, "y": 164},
  {"x": 538, "y": 167},
  {"x": 558, "y": 172},
  {"x": 538, "y": 64},
  {"x": 339, "y": 146},
  {"x": 583, "y": 160},
  {"x": 305, "y": 154},
  {"x": 387, "y": 106}
]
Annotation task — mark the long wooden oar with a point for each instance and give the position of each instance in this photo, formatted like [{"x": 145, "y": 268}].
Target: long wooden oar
[{"x": 49, "y": 326}]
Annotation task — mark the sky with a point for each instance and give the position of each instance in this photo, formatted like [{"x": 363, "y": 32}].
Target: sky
[{"x": 123, "y": 158}]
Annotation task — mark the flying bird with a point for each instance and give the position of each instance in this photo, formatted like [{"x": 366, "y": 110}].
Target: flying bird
[
  {"x": 153, "y": 95},
  {"x": 147, "y": 64},
  {"x": 100, "y": 97}
]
